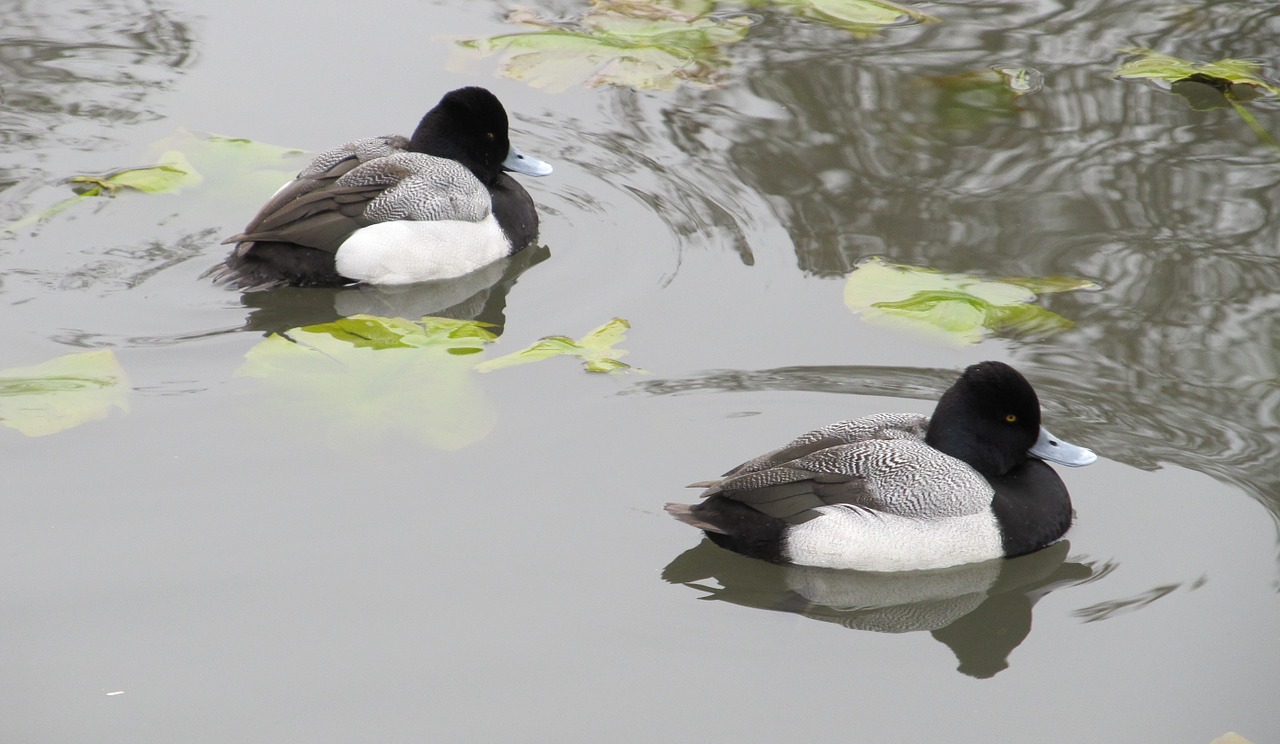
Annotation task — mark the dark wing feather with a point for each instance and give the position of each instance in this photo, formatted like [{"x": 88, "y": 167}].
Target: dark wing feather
[
  {"x": 319, "y": 218},
  {"x": 284, "y": 217},
  {"x": 792, "y": 493}
]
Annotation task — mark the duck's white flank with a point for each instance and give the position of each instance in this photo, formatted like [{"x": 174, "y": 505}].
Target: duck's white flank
[
  {"x": 851, "y": 537},
  {"x": 405, "y": 252}
]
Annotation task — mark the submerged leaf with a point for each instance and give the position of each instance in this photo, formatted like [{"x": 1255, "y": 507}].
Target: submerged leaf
[
  {"x": 237, "y": 168},
  {"x": 414, "y": 378},
  {"x": 971, "y": 100},
  {"x": 635, "y": 44},
  {"x": 233, "y": 167},
  {"x": 596, "y": 350},
  {"x": 172, "y": 173},
  {"x": 861, "y": 17},
  {"x": 956, "y": 308},
  {"x": 62, "y": 393},
  {"x": 376, "y": 375}
]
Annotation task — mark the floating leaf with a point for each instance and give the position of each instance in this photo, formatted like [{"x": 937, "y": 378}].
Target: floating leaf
[
  {"x": 1151, "y": 65},
  {"x": 957, "y": 308},
  {"x": 1205, "y": 85},
  {"x": 62, "y": 393},
  {"x": 240, "y": 169},
  {"x": 861, "y": 17},
  {"x": 630, "y": 43},
  {"x": 1231, "y": 737},
  {"x": 172, "y": 173},
  {"x": 596, "y": 350},
  {"x": 382, "y": 375}
]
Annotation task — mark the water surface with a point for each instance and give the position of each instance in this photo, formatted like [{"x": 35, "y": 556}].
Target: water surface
[{"x": 236, "y": 559}]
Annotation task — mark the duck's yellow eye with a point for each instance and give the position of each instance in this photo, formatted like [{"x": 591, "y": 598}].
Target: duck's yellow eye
[
  {"x": 491, "y": 135},
  {"x": 1011, "y": 418}
]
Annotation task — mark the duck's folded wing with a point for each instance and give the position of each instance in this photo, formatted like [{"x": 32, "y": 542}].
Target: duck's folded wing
[
  {"x": 323, "y": 170},
  {"x": 796, "y": 495},
  {"x": 404, "y": 186},
  {"x": 877, "y": 426},
  {"x": 318, "y": 218},
  {"x": 893, "y": 476}
]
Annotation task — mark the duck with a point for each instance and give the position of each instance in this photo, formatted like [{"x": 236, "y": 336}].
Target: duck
[
  {"x": 902, "y": 491},
  {"x": 391, "y": 210}
]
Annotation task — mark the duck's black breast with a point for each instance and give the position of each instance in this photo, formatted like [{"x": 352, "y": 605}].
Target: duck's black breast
[
  {"x": 513, "y": 207},
  {"x": 1032, "y": 506}
]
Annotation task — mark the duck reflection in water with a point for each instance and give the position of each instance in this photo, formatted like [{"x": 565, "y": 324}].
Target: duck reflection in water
[
  {"x": 480, "y": 295},
  {"x": 981, "y": 611}
]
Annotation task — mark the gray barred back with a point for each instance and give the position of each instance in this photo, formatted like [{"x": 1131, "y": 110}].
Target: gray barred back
[
  {"x": 421, "y": 188},
  {"x": 363, "y": 150}
]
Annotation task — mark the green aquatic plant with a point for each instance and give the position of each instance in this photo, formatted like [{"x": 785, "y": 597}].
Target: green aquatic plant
[
  {"x": 234, "y": 167},
  {"x": 954, "y": 308},
  {"x": 184, "y": 160},
  {"x": 171, "y": 174},
  {"x": 62, "y": 393},
  {"x": 596, "y": 350},
  {"x": 860, "y": 17},
  {"x": 629, "y": 43},
  {"x": 367, "y": 375},
  {"x": 364, "y": 376},
  {"x": 657, "y": 44},
  {"x": 1226, "y": 82},
  {"x": 972, "y": 99}
]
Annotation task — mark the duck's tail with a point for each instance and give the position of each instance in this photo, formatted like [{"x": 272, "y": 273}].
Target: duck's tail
[{"x": 684, "y": 513}]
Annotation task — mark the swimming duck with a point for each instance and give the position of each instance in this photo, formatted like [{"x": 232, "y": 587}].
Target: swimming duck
[
  {"x": 390, "y": 210},
  {"x": 899, "y": 491}
]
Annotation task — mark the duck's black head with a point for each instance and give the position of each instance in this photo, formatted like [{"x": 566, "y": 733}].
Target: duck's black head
[
  {"x": 469, "y": 125},
  {"x": 989, "y": 418}
]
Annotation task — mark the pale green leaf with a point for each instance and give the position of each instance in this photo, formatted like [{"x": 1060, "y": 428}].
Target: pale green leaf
[
  {"x": 596, "y": 350},
  {"x": 234, "y": 169},
  {"x": 861, "y": 17},
  {"x": 608, "y": 335},
  {"x": 955, "y": 308},
  {"x": 62, "y": 393},
  {"x": 1206, "y": 85},
  {"x": 1151, "y": 65},
  {"x": 1231, "y": 737},
  {"x": 237, "y": 170},
  {"x": 644, "y": 45},
  {"x": 173, "y": 173},
  {"x": 364, "y": 377}
]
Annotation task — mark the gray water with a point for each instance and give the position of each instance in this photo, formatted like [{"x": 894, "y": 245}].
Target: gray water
[{"x": 443, "y": 555}]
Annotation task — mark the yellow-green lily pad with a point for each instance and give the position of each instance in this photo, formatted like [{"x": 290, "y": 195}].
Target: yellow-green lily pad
[
  {"x": 62, "y": 393},
  {"x": 954, "y": 308}
]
